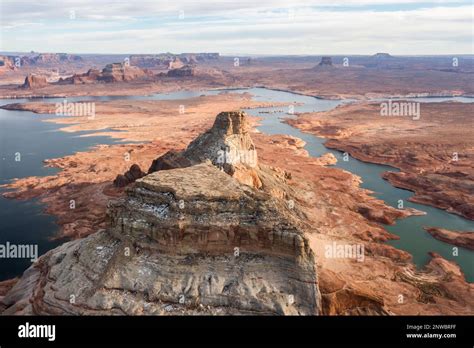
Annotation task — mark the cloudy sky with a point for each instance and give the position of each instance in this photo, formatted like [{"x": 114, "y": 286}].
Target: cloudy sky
[{"x": 238, "y": 26}]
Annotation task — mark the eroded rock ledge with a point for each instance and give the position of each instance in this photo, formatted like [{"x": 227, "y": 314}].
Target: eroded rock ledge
[
  {"x": 193, "y": 240},
  {"x": 458, "y": 238}
]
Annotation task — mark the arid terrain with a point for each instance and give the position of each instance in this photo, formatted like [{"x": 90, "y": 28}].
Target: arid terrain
[
  {"x": 435, "y": 153},
  {"x": 303, "y": 204}
]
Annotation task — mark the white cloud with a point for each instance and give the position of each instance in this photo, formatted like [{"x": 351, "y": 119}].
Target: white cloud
[{"x": 256, "y": 27}]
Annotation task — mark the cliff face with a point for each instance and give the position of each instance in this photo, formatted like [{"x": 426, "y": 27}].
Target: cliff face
[
  {"x": 183, "y": 71},
  {"x": 115, "y": 72},
  {"x": 458, "y": 238},
  {"x": 192, "y": 240},
  {"x": 227, "y": 145},
  {"x": 166, "y": 60},
  {"x": 49, "y": 59}
]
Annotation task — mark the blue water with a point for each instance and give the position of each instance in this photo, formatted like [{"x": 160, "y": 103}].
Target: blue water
[{"x": 24, "y": 132}]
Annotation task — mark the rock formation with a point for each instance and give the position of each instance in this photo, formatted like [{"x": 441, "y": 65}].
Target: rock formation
[
  {"x": 7, "y": 63},
  {"x": 227, "y": 145},
  {"x": 115, "y": 72},
  {"x": 384, "y": 61},
  {"x": 49, "y": 59},
  {"x": 462, "y": 239},
  {"x": 120, "y": 72},
  {"x": 91, "y": 76},
  {"x": 130, "y": 176},
  {"x": 325, "y": 61},
  {"x": 166, "y": 60},
  {"x": 34, "y": 81},
  {"x": 186, "y": 70},
  {"x": 192, "y": 240},
  {"x": 382, "y": 55}
]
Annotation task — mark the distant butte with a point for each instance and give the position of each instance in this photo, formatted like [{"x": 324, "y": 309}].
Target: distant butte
[
  {"x": 325, "y": 61},
  {"x": 34, "y": 81},
  {"x": 114, "y": 72}
]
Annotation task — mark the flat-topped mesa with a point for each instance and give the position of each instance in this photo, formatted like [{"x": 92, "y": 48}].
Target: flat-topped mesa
[
  {"x": 183, "y": 71},
  {"x": 202, "y": 209},
  {"x": 227, "y": 144},
  {"x": 212, "y": 231},
  {"x": 183, "y": 241},
  {"x": 115, "y": 72},
  {"x": 190, "y": 240},
  {"x": 49, "y": 59},
  {"x": 7, "y": 63}
]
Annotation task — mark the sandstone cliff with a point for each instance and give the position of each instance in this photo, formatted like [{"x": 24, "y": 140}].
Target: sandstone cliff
[
  {"x": 115, "y": 72},
  {"x": 192, "y": 240},
  {"x": 227, "y": 145},
  {"x": 186, "y": 70},
  {"x": 34, "y": 81}
]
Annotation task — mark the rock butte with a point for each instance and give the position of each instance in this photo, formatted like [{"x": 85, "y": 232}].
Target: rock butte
[
  {"x": 426, "y": 162},
  {"x": 185, "y": 241},
  {"x": 325, "y": 61},
  {"x": 115, "y": 72},
  {"x": 328, "y": 206}
]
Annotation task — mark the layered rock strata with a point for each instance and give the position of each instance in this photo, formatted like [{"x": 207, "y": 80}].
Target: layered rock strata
[
  {"x": 227, "y": 145},
  {"x": 191, "y": 240},
  {"x": 115, "y": 72}
]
